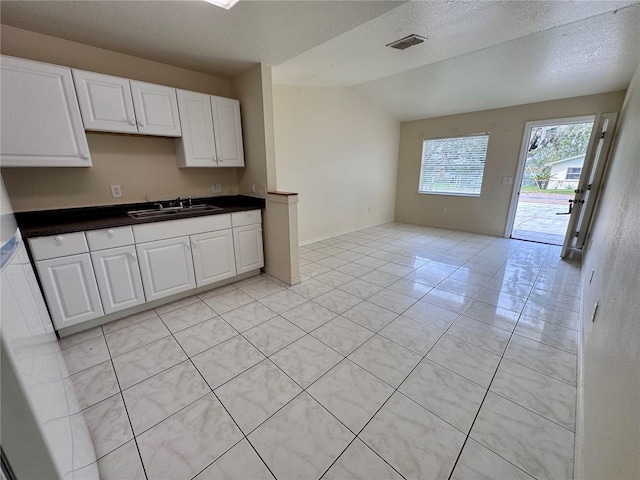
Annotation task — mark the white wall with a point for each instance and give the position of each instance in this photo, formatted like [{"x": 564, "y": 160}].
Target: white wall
[
  {"x": 611, "y": 344},
  {"x": 339, "y": 152}
]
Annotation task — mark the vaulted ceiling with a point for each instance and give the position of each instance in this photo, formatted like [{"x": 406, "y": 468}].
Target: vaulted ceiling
[{"x": 477, "y": 54}]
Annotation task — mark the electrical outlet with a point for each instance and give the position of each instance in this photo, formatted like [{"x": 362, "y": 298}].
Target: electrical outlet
[
  {"x": 116, "y": 191},
  {"x": 444, "y": 210},
  {"x": 216, "y": 188}
]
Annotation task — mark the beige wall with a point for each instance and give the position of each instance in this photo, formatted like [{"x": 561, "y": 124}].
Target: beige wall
[
  {"x": 145, "y": 167},
  {"x": 280, "y": 221},
  {"x": 339, "y": 152},
  {"x": 253, "y": 89},
  {"x": 611, "y": 345},
  {"x": 486, "y": 214},
  {"x": 44, "y": 48}
]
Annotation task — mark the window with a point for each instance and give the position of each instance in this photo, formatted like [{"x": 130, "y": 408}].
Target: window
[
  {"x": 453, "y": 166},
  {"x": 573, "y": 173}
]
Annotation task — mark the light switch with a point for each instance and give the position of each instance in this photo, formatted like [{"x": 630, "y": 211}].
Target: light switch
[{"x": 507, "y": 180}]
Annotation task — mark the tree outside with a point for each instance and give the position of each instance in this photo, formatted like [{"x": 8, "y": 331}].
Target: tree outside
[
  {"x": 551, "y": 144},
  {"x": 541, "y": 214}
]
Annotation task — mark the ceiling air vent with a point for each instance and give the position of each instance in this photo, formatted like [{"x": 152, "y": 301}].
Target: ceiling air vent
[{"x": 407, "y": 42}]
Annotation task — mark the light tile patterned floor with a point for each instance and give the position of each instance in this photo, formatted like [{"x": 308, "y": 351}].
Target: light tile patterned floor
[{"x": 406, "y": 352}]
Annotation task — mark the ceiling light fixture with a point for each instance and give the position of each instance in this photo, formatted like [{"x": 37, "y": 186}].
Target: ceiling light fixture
[
  {"x": 407, "y": 42},
  {"x": 226, "y": 4}
]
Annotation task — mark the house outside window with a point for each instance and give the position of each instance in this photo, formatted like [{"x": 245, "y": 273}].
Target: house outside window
[
  {"x": 565, "y": 173},
  {"x": 573, "y": 173},
  {"x": 454, "y": 165}
]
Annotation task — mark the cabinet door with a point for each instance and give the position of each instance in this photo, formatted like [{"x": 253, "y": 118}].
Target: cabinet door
[
  {"x": 196, "y": 147},
  {"x": 166, "y": 267},
  {"x": 118, "y": 277},
  {"x": 228, "y": 131},
  {"x": 70, "y": 289},
  {"x": 213, "y": 256},
  {"x": 247, "y": 243},
  {"x": 41, "y": 123},
  {"x": 156, "y": 108},
  {"x": 105, "y": 102}
]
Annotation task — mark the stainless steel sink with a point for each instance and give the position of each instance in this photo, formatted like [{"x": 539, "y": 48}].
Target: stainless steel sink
[{"x": 170, "y": 211}]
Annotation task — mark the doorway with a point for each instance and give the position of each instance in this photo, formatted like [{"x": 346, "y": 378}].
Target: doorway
[{"x": 551, "y": 164}]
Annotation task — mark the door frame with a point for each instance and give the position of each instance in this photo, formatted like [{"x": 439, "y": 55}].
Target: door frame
[
  {"x": 522, "y": 159},
  {"x": 586, "y": 196}
]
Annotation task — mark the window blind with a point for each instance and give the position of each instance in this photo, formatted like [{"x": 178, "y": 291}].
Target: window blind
[{"x": 453, "y": 166}]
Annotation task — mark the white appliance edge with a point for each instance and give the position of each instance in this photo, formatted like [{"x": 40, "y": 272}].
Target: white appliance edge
[{"x": 42, "y": 432}]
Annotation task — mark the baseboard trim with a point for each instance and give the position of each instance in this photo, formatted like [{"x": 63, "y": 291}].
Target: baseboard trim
[
  {"x": 343, "y": 232},
  {"x": 578, "y": 473},
  {"x": 284, "y": 278},
  {"x": 63, "y": 332}
]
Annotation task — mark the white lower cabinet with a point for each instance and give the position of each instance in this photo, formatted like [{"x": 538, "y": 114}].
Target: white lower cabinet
[
  {"x": 247, "y": 242},
  {"x": 70, "y": 289},
  {"x": 118, "y": 277},
  {"x": 213, "y": 256},
  {"x": 166, "y": 267},
  {"x": 85, "y": 275}
]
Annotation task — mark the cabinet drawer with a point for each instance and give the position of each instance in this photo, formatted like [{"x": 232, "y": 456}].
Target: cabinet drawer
[
  {"x": 109, "y": 238},
  {"x": 54, "y": 246},
  {"x": 251, "y": 217},
  {"x": 176, "y": 228}
]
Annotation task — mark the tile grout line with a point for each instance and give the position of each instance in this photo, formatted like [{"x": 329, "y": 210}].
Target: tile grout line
[
  {"x": 133, "y": 433},
  {"x": 375, "y": 333},
  {"x": 361, "y": 300},
  {"x": 484, "y": 398},
  {"x": 244, "y": 436}
]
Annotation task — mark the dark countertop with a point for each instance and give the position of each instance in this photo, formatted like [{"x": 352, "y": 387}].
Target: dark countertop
[{"x": 54, "y": 222}]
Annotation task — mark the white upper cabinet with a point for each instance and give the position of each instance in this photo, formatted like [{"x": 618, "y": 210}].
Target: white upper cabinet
[
  {"x": 105, "y": 102},
  {"x": 41, "y": 122},
  {"x": 156, "y": 109},
  {"x": 228, "y": 131},
  {"x": 197, "y": 146},
  {"x": 114, "y": 104},
  {"x": 211, "y": 131}
]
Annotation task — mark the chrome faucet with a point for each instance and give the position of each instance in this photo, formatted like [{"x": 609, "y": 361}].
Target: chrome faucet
[
  {"x": 159, "y": 205},
  {"x": 177, "y": 203}
]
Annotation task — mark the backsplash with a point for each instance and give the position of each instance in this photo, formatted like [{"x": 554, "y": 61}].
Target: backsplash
[{"x": 144, "y": 167}]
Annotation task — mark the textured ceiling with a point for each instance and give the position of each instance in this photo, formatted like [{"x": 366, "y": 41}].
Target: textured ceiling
[
  {"x": 595, "y": 55},
  {"x": 451, "y": 28},
  {"x": 479, "y": 54},
  {"x": 194, "y": 34}
]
